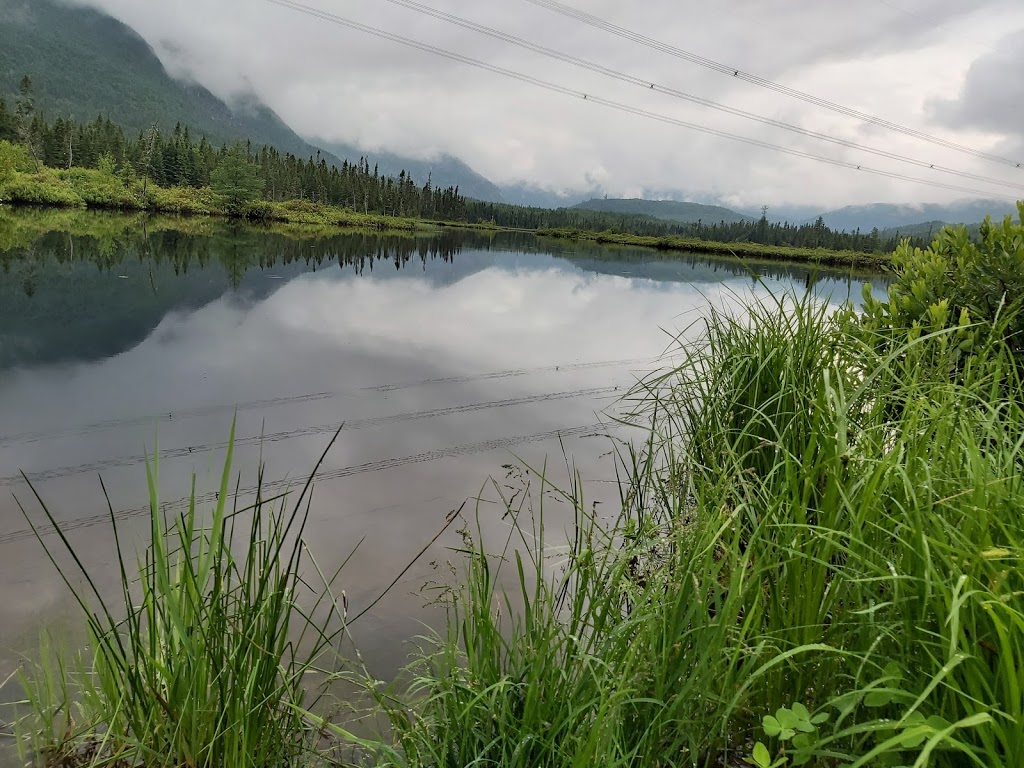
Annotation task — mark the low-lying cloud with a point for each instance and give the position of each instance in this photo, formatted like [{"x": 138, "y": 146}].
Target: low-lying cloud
[{"x": 891, "y": 59}]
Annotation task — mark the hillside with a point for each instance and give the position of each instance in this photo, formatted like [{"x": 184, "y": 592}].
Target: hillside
[
  {"x": 532, "y": 195},
  {"x": 890, "y": 216},
  {"x": 445, "y": 171},
  {"x": 925, "y": 230},
  {"x": 84, "y": 63},
  {"x": 668, "y": 210}
]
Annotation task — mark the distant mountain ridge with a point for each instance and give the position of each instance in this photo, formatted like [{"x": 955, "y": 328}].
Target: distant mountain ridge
[
  {"x": 667, "y": 210},
  {"x": 887, "y": 216}
]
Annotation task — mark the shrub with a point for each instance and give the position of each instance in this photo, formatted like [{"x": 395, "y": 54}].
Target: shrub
[
  {"x": 13, "y": 159},
  {"x": 42, "y": 188},
  {"x": 184, "y": 200},
  {"x": 99, "y": 189},
  {"x": 259, "y": 210},
  {"x": 964, "y": 291}
]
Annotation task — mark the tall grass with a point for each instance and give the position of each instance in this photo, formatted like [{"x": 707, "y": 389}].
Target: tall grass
[
  {"x": 817, "y": 561},
  {"x": 207, "y": 658}
]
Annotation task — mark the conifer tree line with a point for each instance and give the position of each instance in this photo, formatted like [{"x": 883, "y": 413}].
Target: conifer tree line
[
  {"x": 180, "y": 158},
  {"x": 762, "y": 231}
]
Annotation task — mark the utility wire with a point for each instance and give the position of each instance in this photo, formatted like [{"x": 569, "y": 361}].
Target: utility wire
[
  {"x": 648, "y": 85},
  {"x": 563, "y": 90},
  {"x": 595, "y": 21}
]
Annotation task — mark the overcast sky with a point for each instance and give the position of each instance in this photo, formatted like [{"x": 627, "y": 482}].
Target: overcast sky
[{"x": 951, "y": 68}]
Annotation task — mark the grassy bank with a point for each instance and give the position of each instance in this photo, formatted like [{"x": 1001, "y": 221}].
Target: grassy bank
[
  {"x": 98, "y": 189},
  {"x": 820, "y": 256},
  {"x": 818, "y": 559},
  {"x": 23, "y": 182}
]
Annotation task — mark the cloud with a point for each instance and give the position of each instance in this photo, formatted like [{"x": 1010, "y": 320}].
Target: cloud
[
  {"x": 992, "y": 96},
  {"x": 337, "y": 84}
]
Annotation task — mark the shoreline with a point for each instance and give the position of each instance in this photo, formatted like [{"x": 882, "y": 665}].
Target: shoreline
[{"x": 305, "y": 213}]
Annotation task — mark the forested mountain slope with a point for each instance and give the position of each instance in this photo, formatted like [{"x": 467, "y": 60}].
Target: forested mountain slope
[{"x": 84, "y": 63}]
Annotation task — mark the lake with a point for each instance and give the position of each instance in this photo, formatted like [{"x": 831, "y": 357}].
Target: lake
[{"x": 446, "y": 357}]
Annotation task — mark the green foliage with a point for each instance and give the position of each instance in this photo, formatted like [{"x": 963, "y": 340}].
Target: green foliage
[
  {"x": 86, "y": 63},
  {"x": 210, "y": 667},
  {"x": 13, "y": 159},
  {"x": 106, "y": 165},
  {"x": 786, "y": 535},
  {"x": 236, "y": 180},
  {"x": 101, "y": 189},
  {"x": 184, "y": 200},
  {"x": 961, "y": 291},
  {"x": 44, "y": 188}
]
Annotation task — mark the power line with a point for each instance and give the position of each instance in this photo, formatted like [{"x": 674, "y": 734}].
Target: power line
[
  {"x": 648, "y": 85},
  {"x": 555, "y": 88},
  {"x": 725, "y": 69}
]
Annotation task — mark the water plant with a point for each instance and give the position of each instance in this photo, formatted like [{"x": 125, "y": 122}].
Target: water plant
[{"x": 206, "y": 657}]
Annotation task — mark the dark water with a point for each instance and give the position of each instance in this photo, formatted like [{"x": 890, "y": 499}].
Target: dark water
[{"x": 444, "y": 356}]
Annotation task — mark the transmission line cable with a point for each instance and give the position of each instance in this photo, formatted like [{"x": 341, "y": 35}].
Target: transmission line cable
[
  {"x": 725, "y": 69},
  {"x": 648, "y": 85},
  {"x": 585, "y": 96}
]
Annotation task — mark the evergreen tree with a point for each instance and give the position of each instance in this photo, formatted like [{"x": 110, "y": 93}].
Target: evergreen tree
[{"x": 236, "y": 179}]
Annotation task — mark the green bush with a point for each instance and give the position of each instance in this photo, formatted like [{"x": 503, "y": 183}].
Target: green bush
[
  {"x": 259, "y": 210},
  {"x": 42, "y": 188},
  {"x": 295, "y": 207},
  {"x": 964, "y": 291},
  {"x": 99, "y": 189},
  {"x": 13, "y": 159},
  {"x": 183, "y": 200}
]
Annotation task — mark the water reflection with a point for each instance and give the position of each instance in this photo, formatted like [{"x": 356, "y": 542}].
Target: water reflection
[{"x": 444, "y": 356}]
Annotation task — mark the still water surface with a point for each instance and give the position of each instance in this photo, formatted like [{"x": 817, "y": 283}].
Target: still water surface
[{"x": 443, "y": 356}]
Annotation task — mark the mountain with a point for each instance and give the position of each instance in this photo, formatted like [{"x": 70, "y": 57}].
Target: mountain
[
  {"x": 445, "y": 171},
  {"x": 925, "y": 229},
  {"x": 84, "y": 63},
  {"x": 538, "y": 197},
  {"x": 669, "y": 210},
  {"x": 889, "y": 216}
]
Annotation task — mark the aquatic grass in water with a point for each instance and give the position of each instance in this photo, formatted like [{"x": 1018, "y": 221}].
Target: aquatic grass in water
[{"x": 207, "y": 658}]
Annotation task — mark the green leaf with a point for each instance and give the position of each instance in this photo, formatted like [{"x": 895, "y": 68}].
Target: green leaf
[
  {"x": 802, "y": 741},
  {"x": 821, "y": 717},
  {"x": 787, "y": 719},
  {"x": 771, "y": 726},
  {"x": 762, "y": 758},
  {"x": 847, "y": 702},
  {"x": 913, "y": 737},
  {"x": 878, "y": 698},
  {"x": 801, "y": 711}
]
